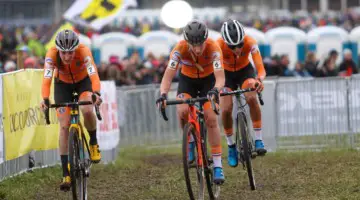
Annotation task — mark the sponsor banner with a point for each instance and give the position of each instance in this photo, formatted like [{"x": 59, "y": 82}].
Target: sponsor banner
[
  {"x": 313, "y": 107},
  {"x": 24, "y": 123},
  {"x": 108, "y": 128}
]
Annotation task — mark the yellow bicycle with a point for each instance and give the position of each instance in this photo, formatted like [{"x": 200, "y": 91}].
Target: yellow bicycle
[{"x": 79, "y": 158}]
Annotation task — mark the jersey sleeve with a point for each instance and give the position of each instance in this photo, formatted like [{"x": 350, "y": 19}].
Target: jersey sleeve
[
  {"x": 91, "y": 69},
  {"x": 255, "y": 53},
  {"x": 175, "y": 57},
  {"x": 49, "y": 68}
]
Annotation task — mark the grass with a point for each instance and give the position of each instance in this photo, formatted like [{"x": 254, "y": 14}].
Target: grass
[{"x": 156, "y": 173}]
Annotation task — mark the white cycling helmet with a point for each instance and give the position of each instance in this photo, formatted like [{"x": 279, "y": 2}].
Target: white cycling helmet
[{"x": 232, "y": 32}]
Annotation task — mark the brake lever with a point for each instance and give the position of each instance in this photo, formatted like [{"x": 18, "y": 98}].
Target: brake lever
[
  {"x": 213, "y": 105},
  {"x": 259, "y": 95},
  {"x": 162, "y": 111}
]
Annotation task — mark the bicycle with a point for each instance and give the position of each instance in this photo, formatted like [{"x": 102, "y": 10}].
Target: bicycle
[
  {"x": 79, "y": 161},
  {"x": 202, "y": 164},
  {"x": 244, "y": 141}
]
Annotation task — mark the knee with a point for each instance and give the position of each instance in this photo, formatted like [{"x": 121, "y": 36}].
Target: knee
[
  {"x": 182, "y": 113},
  {"x": 251, "y": 100},
  {"x": 87, "y": 111},
  {"x": 211, "y": 121},
  {"x": 226, "y": 109},
  {"x": 64, "y": 129}
]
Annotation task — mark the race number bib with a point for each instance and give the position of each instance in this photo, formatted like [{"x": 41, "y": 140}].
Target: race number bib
[
  {"x": 217, "y": 64},
  {"x": 173, "y": 64}
]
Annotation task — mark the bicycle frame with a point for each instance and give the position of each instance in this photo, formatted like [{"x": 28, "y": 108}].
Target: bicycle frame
[{"x": 196, "y": 117}]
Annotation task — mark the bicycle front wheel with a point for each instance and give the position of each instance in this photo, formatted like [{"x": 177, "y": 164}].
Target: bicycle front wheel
[
  {"x": 76, "y": 157},
  {"x": 193, "y": 171},
  {"x": 244, "y": 146}
]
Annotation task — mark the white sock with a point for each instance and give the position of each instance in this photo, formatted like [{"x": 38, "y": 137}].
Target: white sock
[
  {"x": 229, "y": 140},
  {"x": 217, "y": 160},
  {"x": 258, "y": 134},
  {"x": 191, "y": 138}
]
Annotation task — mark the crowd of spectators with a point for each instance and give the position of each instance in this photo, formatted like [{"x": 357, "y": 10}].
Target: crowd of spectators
[
  {"x": 312, "y": 67},
  {"x": 134, "y": 70}
]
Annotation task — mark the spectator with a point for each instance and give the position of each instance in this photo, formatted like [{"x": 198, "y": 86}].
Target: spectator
[
  {"x": 35, "y": 46},
  {"x": 311, "y": 63},
  {"x": 347, "y": 66},
  {"x": 163, "y": 61},
  {"x": 32, "y": 63},
  {"x": 333, "y": 55},
  {"x": 328, "y": 69},
  {"x": 283, "y": 67},
  {"x": 300, "y": 70},
  {"x": 9, "y": 66}
]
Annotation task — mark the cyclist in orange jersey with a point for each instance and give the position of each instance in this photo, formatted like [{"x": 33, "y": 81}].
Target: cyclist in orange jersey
[
  {"x": 201, "y": 73},
  {"x": 236, "y": 47},
  {"x": 74, "y": 69}
]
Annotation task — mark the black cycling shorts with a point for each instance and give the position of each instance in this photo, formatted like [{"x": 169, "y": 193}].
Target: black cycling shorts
[
  {"x": 63, "y": 91},
  {"x": 233, "y": 80},
  {"x": 195, "y": 86}
]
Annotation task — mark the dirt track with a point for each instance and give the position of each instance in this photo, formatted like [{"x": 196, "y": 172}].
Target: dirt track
[{"x": 155, "y": 175}]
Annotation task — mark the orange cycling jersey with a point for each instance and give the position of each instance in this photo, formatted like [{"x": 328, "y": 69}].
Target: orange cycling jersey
[
  {"x": 210, "y": 59},
  {"x": 234, "y": 63},
  {"x": 82, "y": 66}
]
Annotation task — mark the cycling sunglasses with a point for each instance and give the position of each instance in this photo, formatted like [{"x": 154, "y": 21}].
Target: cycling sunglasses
[
  {"x": 240, "y": 45},
  {"x": 67, "y": 52}
]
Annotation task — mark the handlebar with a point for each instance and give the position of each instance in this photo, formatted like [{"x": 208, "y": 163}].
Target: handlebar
[
  {"x": 70, "y": 104},
  {"x": 187, "y": 101},
  {"x": 244, "y": 91},
  {"x": 190, "y": 101}
]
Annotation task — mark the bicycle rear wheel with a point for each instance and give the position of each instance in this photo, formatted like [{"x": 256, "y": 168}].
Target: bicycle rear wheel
[
  {"x": 76, "y": 156},
  {"x": 244, "y": 146},
  {"x": 193, "y": 172}
]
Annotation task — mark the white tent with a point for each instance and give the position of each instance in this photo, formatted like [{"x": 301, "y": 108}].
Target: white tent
[
  {"x": 324, "y": 39},
  {"x": 114, "y": 43},
  {"x": 158, "y": 42},
  {"x": 289, "y": 41}
]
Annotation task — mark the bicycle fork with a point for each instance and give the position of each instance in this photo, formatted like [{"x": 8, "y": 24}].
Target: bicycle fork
[{"x": 86, "y": 161}]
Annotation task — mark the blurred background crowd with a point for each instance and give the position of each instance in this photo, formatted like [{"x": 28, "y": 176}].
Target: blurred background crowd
[{"x": 133, "y": 70}]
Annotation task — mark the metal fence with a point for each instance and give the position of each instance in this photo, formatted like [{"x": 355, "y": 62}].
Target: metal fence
[{"x": 298, "y": 114}]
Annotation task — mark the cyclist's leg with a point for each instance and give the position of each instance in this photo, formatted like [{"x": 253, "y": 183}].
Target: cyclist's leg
[
  {"x": 186, "y": 89},
  {"x": 62, "y": 94},
  {"x": 84, "y": 89},
  {"x": 226, "y": 106},
  {"x": 213, "y": 130},
  {"x": 255, "y": 113},
  {"x": 89, "y": 116}
]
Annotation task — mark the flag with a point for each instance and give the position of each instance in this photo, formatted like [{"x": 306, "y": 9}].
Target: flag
[{"x": 96, "y": 13}]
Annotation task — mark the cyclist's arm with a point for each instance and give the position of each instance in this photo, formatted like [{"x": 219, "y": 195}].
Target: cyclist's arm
[
  {"x": 171, "y": 69},
  {"x": 169, "y": 75},
  {"x": 255, "y": 53},
  {"x": 92, "y": 70},
  {"x": 47, "y": 78},
  {"x": 218, "y": 70}
]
